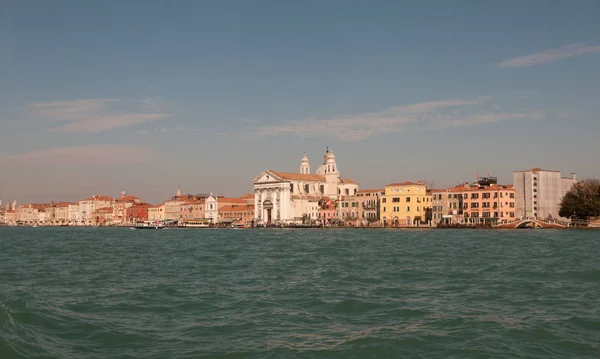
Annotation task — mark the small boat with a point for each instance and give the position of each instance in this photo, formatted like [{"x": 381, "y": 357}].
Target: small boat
[{"x": 148, "y": 225}]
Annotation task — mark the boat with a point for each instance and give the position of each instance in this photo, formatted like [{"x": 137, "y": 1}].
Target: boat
[
  {"x": 148, "y": 225},
  {"x": 190, "y": 223}
]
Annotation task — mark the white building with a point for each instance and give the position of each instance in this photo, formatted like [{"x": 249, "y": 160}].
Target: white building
[
  {"x": 211, "y": 208},
  {"x": 284, "y": 197},
  {"x": 73, "y": 214},
  {"x": 89, "y": 205},
  {"x": 540, "y": 192}
]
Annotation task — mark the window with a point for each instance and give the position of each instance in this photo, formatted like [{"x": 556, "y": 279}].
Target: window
[
  {"x": 306, "y": 188},
  {"x": 407, "y": 199},
  {"x": 408, "y": 209},
  {"x": 322, "y": 189},
  {"x": 396, "y": 199},
  {"x": 347, "y": 192},
  {"x": 512, "y": 195},
  {"x": 292, "y": 187},
  {"x": 383, "y": 200},
  {"x": 384, "y": 209}
]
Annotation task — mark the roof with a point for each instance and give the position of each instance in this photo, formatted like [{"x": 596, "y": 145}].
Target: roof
[
  {"x": 248, "y": 196},
  {"x": 231, "y": 200},
  {"x": 347, "y": 181},
  {"x": 230, "y": 208},
  {"x": 127, "y": 199},
  {"x": 370, "y": 191},
  {"x": 536, "y": 170},
  {"x": 405, "y": 184},
  {"x": 99, "y": 198},
  {"x": 298, "y": 176},
  {"x": 452, "y": 189}
]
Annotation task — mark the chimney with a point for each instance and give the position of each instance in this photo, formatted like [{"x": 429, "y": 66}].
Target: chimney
[{"x": 574, "y": 176}]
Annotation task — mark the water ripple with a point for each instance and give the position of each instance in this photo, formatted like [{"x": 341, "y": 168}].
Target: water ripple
[{"x": 98, "y": 293}]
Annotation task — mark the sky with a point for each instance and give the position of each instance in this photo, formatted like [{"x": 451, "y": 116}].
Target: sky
[{"x": 97, "y": 97}]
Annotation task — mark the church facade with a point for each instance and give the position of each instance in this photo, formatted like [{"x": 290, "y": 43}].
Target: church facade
[{"x": 287, "y": 197}]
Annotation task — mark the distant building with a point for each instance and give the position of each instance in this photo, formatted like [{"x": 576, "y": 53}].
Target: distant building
[
  {"x": 540, "y": 192},
  {"x": 286, "y": 197},
  {"x": 368, "y": 203},
  {"x": 88, "y": 206},
  {"x": 404, "y": 204},
  {"x": 156, "y": 213}
]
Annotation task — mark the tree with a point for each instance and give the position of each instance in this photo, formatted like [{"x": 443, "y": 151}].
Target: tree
[{"x": 582, "y": 200}]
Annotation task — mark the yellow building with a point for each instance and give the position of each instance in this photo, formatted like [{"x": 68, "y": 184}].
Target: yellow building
[
  {"x": 404, "y": 204},
  {"x": 156, "y": 213}
]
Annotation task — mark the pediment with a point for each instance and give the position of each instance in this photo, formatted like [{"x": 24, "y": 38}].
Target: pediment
[{"x": 267, "y": 177}]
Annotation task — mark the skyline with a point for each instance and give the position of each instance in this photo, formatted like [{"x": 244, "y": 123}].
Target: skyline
[{"x": 101, "y": 97}]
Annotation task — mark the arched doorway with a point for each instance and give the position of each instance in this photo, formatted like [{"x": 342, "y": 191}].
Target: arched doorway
[
  {"x": 408, "y": 221},
  {"x": 268, "y": 209},
  {"x": 395, "y": 221}
]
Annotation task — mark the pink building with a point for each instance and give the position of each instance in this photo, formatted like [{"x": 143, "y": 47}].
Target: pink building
[
  {"x": 492, "y": 204},
  {"x": 327, "y": 210}
]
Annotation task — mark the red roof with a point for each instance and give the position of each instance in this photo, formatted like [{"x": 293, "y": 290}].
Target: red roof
[
  {"x": 127, "y": 199},
  {"x": 230, "y": 208},
  {"x": 231, "y": 200}
]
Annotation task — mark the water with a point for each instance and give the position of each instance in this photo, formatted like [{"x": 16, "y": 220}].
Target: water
[{"x": 118, "y": 293}]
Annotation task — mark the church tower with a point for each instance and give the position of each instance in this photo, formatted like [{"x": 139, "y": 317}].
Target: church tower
[
  {"x": 304, "y": 165},
  {"x": 332, "y": 175}
]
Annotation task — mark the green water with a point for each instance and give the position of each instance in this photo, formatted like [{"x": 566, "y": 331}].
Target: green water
[{"x": 119, "y": 293}]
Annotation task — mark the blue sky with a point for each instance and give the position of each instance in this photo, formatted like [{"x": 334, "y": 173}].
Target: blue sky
[{"x": 96, "y": 97}]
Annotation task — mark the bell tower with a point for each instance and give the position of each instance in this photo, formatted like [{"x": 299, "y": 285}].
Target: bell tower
[{"x": 304, "y": 165}]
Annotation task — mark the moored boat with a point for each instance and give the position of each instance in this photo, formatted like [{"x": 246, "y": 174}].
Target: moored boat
[{"x": 148, "y": 225}]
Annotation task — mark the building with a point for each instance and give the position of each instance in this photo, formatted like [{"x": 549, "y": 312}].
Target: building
[
  {"x": 493, "y": 204},
  {"x": 348, "y": 209},
  {"x": 327, "y": 212},
  {"x": 447, "y": 205},
  {"x": 138, "y": 212},
  {"x": 30, "y": 213},
  {"x": 404, "y": 204},
  {"x": 368, "y": 203},
  {"x": 156, "y": 213},
  {"x": 540, "y": 192},
  {"x": 88, "y": 206},
  {"x": 73, "y": 213},
  {"x": 192, "y": 209},
  {"x": 120, "y": 206},
  {"x": 242, "y": 214},
  {"x": 286, "y": 197},
  {"x": 102, "y": 216},
  {"x": 61, "y": 213}
]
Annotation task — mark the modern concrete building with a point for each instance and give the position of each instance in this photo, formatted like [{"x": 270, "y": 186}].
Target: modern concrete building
[{"x": 539, "y": 192}]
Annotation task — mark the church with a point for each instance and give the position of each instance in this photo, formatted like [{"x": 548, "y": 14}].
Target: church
[{"x": 287, "y": 197}]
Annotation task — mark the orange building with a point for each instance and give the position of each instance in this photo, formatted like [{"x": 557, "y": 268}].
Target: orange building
[{"x": 242, "y": 214}]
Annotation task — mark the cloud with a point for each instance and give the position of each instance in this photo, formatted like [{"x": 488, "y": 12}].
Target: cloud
[
  {"x": 420, "y": 116},
  {"x": 92, "y": 155},
  {"x": 99, "y": 114},
  {"x": 549, "y": 56}
]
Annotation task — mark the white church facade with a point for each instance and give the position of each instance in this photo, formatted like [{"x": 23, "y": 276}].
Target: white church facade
[{"x": 285, "y": 197}]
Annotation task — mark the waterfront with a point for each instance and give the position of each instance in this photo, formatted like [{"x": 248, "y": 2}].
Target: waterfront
[{"x": 283, "y": 293}]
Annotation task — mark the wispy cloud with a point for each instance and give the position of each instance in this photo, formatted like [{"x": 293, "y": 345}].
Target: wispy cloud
[
  {"x": 420, "y": 116},
  {"x": 544, "y": 57},
  {"x": 99, "y": 114},
  {"x": 92, "y": 155}
]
